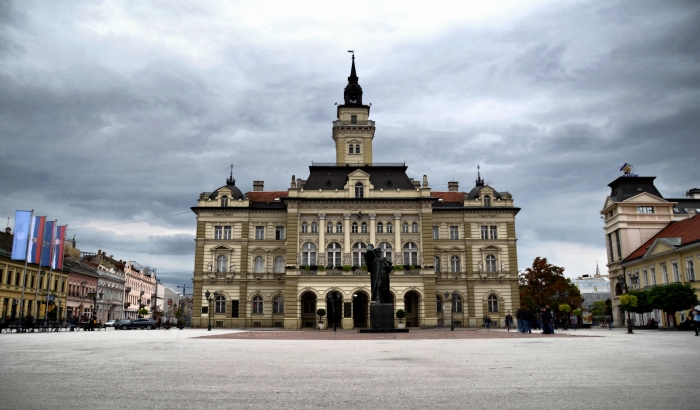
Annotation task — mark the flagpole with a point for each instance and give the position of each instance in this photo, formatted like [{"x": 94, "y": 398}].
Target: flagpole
[
  {"x": 48, "y": 287},
  {"x": 24, "y": 272},
  {"x": 40, "y": 242}
]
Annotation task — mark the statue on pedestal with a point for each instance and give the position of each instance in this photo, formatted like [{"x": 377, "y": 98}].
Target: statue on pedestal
[{"x": 379, "y": 268}]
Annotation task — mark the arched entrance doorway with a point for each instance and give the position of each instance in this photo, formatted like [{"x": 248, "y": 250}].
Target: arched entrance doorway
[
  {"x": 334, "y": 308},
  {"x": 360, "y": 303},
  {"x": 411, "y": 303},
  {"x": 308, "y": 309}
]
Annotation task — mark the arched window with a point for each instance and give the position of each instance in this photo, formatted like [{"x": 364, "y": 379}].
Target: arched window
[
  {"x": 487, "y": 200},
  {"x": 224, "y": 200},
  {"x": 279, "y": 264},
  {"x": 314, "y": 227},
  {"x": 454, "y": 263},
  {"x": 380, "y": 227},
  {"x": 359, "y": 190},
  {"x": 493, "y": 303},
  {"x": 351, "y": 152},
  {"x": 438, "y": 268},
  {"x": 339, "y": 227},
  {"x": 259, "y": 264},
  {"x": 389, "y": 227},
  {"x": 308, "y": 254},
  {"x": 221, "y": 263},
  {"x": 357, "y": 149},
  {"x": 329, "y": 227},
  {"x": 490, "y": 263},
  {"x": 220, "y": 304},
  {"x": 257, "y": 305},
  {"x": 410, "y": 253},
  {"x": 386, "y": 249},
  {"x": 494, "y": 232},
  {"x": 414, "y": 227},
  {"x": 457, "y": 306},
  {"x": 357, "y": 249},
  {"x": 335, "y": 254},
  {"x": 278, "y": 305},
  {"x": 304, "y": 227},
  {"x": 363, "y": 227},
  {"x": 354, "y": 227},
  {"x": 438, "y": 304},
  {"x": 404, "y": 227}
]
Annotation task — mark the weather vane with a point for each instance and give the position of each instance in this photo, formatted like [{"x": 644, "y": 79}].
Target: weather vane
[{"x": 353, "y": 53}]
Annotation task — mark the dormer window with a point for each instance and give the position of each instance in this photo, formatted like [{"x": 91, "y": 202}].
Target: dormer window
[
  {"x": 487, "y": 200},
  {"x": 359, "y": 190},
  {"x": 224, "y": 201},
  {"x": 353, "y": 119}
]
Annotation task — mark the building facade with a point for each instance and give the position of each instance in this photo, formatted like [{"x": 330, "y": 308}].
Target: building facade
[
  {"x": 140, "y": 288},
  {"x": 272, "y": 258},
  {"x": 82, "y": 288},
  {"x": 634, "y": 213},
  {"x": 593, "y": 288}
]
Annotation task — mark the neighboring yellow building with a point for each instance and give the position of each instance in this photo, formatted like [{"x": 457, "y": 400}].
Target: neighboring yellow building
[
  {"x": 671, "y": 256},
  {"x": 34, "y": 300},
  {"x": 635, "y": 214},
  {"x": 274, "y": 257}
]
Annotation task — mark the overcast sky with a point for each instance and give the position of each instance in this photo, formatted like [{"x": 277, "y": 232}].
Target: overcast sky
[{"x": 114, "y": 112}]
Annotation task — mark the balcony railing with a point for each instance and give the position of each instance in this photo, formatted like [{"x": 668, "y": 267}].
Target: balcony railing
[{"x": 368, "y": 123}]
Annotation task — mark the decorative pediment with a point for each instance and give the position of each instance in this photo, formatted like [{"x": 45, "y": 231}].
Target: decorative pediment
[
  {"x": 661, "y": 245},
  {"x": 358, "y": 173},
  {"x": 645, "y": 197},
  {"x": 221, "y": 248}
]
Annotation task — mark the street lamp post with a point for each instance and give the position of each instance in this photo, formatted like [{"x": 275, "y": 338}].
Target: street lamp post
[
  {"x": 209, "y": 297},
  {"x": 621, "y": 279}
]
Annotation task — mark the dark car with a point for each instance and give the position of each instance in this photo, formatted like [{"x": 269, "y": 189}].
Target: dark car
[
  {"x": 122, "y": 322},
  {"x": 142, "y": 323}
]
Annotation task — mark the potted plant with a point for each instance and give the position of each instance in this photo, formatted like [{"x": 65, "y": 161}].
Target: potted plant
[
  {"x": 401, "y": 314},
  {"x": 321, "y": 313}
]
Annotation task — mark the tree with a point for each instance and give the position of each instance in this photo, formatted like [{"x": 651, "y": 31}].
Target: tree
[
  {"x": 598, "y": 308},
  {"x": 672, "y": 298},
  {"x": 628, "y": 302},
  {"x": 643, "y": 305},
  {"x": 143, "y": 312},
  {"x": 541, "y": 284},
  {"x": 564, "y": 308}
]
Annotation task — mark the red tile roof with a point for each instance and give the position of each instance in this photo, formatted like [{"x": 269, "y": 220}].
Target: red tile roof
[
  {"x": 450, "y": 196},
  {"x": 265, "y": 196},
  {"x": 688, "y": 230}
]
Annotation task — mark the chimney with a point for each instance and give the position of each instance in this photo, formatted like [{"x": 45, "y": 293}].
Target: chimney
[
  {"x": 258, "y": 185},
  {"x": 8, "y": 230},
  {"x": 453, "y": 186}
]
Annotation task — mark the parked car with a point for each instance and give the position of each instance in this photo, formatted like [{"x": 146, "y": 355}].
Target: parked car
[
  {"x": 142, "y": 323},
  {"x": 119, "y": 324},
  {"x": 110, "y": 323}
]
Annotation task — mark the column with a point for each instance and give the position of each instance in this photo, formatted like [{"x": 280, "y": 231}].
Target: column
[
  {"x": 372, "y": 229},
  {"x": 346, "y": 233},
  {"x": 397, "y": 239},
  {"x": 322, "y": 237}
]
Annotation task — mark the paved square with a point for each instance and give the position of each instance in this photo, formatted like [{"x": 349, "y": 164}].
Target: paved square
[{"x": 475, "y": 369}]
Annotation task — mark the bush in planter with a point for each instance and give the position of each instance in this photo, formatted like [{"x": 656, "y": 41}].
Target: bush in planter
[
  {"x": 398, "y": 267},
  {"x": 290, "y": 267},
  {"x": 321, "y": 268},
  {"x": 347, "y": 268},
  {"x": 412, "y": 267},
  {"x": 400, "y": 314},
  {"x": 406, "y": 267},
  {"x": 363, "y": 267},
  {"x": 321, "y": 313},
  {"x": 307, "y": 267},
  {"x": 329, "y": 267}
]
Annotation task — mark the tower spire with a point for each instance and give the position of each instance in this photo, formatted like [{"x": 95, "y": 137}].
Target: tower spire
[
  {"x": 230, "y": 180},
  {"x": 479, "y": 181},
  {"x": 353, "y": 91},
  {"x": 353, "y": 74}
]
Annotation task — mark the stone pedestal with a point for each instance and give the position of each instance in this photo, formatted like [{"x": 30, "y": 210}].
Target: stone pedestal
[{"x": 381, "y": 316}]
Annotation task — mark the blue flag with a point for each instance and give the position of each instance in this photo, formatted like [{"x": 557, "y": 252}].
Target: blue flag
[
  {"x": 23, "y": 220},
  {"x": 49, "y": 233}
]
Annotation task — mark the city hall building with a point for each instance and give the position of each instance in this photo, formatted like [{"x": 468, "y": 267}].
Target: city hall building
[{"x": 272, "y": 258}]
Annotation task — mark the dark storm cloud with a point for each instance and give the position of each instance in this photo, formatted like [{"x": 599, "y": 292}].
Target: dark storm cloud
[{"x": 106, "y": 121}]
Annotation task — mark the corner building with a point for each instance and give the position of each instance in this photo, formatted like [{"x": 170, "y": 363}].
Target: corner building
[{"x": 275, "y": 257}]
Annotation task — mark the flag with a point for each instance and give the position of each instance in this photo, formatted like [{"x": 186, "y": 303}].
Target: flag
[
  {"x": 58, "y": 244},
  {"x": 23, "y": 222},
  {"x": 49, "y": 232},
  {"x": 36, "y": 234}
]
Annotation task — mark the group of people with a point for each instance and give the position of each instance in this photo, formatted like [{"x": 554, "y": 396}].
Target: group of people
[{"x": 544, "y": 320}]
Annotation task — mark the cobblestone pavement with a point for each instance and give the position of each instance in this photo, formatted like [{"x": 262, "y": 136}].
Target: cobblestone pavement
[{"x": 480, "y": 369}]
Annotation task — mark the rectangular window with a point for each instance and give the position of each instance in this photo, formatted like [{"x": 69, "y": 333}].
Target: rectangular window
[
  {"x": 31, "y": 282},
  {"x": 689, "y": 270},
  {"x": 338, "y": 228},
  {"x": 259, "y": 232},
  {"x": 279, "y": 233},
  {"x": 645, "y": 209},
  {"x": 454, "y": 232},
  {"x": 645, "y": 274},
  {"x": 484, "y": 232},
  {"x": 363, "y": 228},
  {"x": 217, "y": 232},
  {"x": 17, "y": 276},
  {"x": 610, "y": 248},
  {"x": 353, "y": 119},
  {"x": 234, "y": 308},
  {"x": 354, "y": 228},
  {"x": 227, "y": 232},
  {"x": 329, "y": 228},
  {"x": 493, "y": 230},
  {"x": 619, "y": 244},
  {"x": 389, "y": 228},
  {"x": 314, "y": 228},
  {"x": 436, "y": 232},
  {"x": 664, "y": 274},
  {"x": 676, "y": 274},
  {"x": 205, "y": 309}
]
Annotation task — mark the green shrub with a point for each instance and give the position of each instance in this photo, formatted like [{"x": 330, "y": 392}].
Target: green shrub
[
  {"x": 347, "y": 268},
  {"x": 321, "y": 313}
]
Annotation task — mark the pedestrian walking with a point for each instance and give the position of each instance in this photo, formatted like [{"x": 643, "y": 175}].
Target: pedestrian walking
[
  {"x": 509, "y": 321},
  {"x": 574, "y": 322},
  {"x": 610, "y": 321},
  {"x": 519, "y": 319},
  {"x": 696, "y": 319}
]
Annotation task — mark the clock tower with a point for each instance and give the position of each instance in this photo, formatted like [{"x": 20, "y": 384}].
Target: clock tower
[{"x": 353, "y": 131}]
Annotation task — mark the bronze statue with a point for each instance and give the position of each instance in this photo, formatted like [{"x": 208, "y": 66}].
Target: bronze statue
[{"x": 379, "y": 268}]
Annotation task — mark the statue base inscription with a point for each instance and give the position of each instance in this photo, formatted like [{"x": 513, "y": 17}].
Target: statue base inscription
[{"x": 381, "y": 319}]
